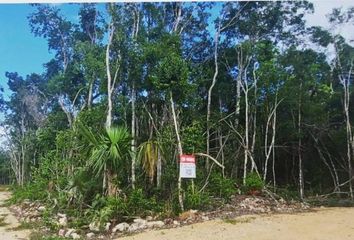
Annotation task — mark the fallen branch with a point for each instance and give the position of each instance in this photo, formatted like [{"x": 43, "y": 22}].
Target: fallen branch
[
  {"x": 211, "y": 158},
  {"x": 271, "y": 194}
]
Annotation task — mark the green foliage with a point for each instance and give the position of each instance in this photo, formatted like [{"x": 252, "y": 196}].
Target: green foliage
[
  {"x": 56, "y": 118},
  {"x": 195, "y": 199},
  {"x": 253, "y": 183},
  {"x": 41, "y": 236},
  {"x": 192, "y": 136},
  {"x": 172, "y": 73},
  {"x": 148, "y": 155},
  {"x": 6, "y": 173},
  {"x": 288, "y": 192},
  {"x": 139, "y": 204},
  {"x": 29, "y": 191},
  {"x": 108, "y": 150},
  {"x": 136, "y": 203},
  {"x": 106, "y": 208},
  {"x": 221, "y": 187}
]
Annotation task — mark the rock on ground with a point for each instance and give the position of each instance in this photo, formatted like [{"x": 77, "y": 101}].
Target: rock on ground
[{"x": 324, "y": 224}]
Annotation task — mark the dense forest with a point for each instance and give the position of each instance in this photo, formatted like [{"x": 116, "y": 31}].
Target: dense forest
[{"x": 260, "y": 99}]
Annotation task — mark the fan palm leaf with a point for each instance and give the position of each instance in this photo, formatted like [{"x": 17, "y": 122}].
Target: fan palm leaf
[
  {"x": 108, "y": 149},
  {"x": 148, "y": 156}
]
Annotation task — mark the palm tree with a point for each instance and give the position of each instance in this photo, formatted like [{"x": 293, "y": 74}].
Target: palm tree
[
  {"x": 151, "y": 154},
  {"x": 107, "y": 151}
]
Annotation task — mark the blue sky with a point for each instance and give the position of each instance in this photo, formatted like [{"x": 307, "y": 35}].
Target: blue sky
[{"x": 20, "y": 51}]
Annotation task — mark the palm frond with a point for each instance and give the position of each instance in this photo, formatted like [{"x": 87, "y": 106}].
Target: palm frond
[
  {"x": 148, "y": 156},
  {"x": 86, "y": 132},
  {"x": 107, "y": 149}
]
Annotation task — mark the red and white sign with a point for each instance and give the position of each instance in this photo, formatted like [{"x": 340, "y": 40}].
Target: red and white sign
[{"x": 187, "y": 167}]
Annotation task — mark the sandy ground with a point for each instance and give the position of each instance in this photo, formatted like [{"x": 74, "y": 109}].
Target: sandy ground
[
  {"x": 323, "y": 224},
  {"x": 5, "y": 231}
]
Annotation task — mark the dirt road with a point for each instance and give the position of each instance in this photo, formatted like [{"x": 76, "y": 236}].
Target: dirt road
[
  {"x": 8, "y": 221},
  {"x": 324, "y": 224}
]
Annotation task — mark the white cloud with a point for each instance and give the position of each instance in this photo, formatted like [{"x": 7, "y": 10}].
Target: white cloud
[{"x": 325, "y": 7}]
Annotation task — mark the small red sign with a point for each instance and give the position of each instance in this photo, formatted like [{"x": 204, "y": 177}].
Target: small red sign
[{"x": 187, "y": 158}]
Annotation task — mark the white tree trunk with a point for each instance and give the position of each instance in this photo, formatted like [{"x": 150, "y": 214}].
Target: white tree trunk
[
  {"x": 133, "y": 99},
  {"x": 210, "y": 92},
  {"x": 350, "y": 146},
  {"x": 180, "y": 150},
  {"x": 301, "y": 174},
  {"x": 246, "y": 147},
  {"x": 109, "y": 79},
  {"x": 133, "y": 142},
  {"x": 254, "y": 120},
  {"x": 158, "y": 168},
  {"x": 272, "y": 117},
  {"x": 90, "y": 93}
]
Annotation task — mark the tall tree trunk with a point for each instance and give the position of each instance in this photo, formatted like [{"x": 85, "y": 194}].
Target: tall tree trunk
[
  {"x": 301, "y": 174},
  {"x": 158, "y": 168},
  {"x": 350, "y": 146},
  {"x": 22, "y": 171},
  {"x": 110, "y": 81},
  {"x": 210, "y": 92},
  {"x": 180, "y": 150},
  {"x": 221, "y": 144},
  {"x": 334, "y": 171},
  {"x": 345, "y": 81},
  {"x": 273, "y": 167},
  {"x": 272, "y": 118},
  {"x": 238, "y": 101},
  {"x": 67, "y": 113},
  {"x": 107, "y": 176},
  {"x": 237, "y": 112},
  {"x": 23, "y": 150},
  {"x": 133, "y": 147},
  {"x": 246, "y": 147},
  {"x": 323, "y": 158},
  {"x": 254, "y": 125},
  {"x": 136, "y": 17},
  {"x": 90, "y": 93}
]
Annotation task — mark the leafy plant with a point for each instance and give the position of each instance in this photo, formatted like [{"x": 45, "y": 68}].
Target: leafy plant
[
  {"x": 195, "y": 199},
  {"x": 148, "y": 155},
  {"x": 253, "y": 183},
  {"x": 221, "y": 187},
  {"x": 107, "y": 152}
]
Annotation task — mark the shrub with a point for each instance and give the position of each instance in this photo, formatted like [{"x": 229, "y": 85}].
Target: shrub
[
  {"x": 139, "y": 204},
  {"x": 196, "y": 200},
  {"x": 253, "y": 183},
  {"x": 288, "y": 193},
  {"x": 221, "y": 187},
  {"x": 29, "y": 191},
  {"x": 136, "y": 203}
]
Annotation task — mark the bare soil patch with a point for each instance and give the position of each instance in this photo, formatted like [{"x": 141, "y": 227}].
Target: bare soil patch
[
  {"x": 8, "y": 220},
  {"x": 321, "y": 224}
]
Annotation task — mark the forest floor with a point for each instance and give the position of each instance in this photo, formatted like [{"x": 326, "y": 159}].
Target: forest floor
[
  {"x": 9, "y": 225},
  {"x": 323, "y": 223},
  {"x": 320, "y": 224}
]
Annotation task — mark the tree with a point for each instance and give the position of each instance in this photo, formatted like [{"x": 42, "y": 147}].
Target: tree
[{"x": 108, "y": 152}]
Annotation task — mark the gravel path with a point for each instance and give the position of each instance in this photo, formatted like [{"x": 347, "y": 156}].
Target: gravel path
[
  {"x": 323, "y": 224},
  {"x": 9, "y": 222}
]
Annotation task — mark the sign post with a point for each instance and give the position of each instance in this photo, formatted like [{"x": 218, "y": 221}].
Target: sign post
[{"x": 187, "y": 167}]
